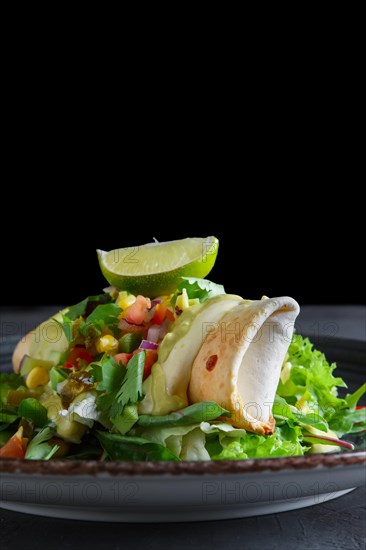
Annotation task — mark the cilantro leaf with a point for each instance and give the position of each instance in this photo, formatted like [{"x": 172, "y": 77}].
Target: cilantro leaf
[
  {"x": 39, "y": 449},
  {"x": 131, "y": 390},
  {"x": 109, "y": 374},
  {"x": 105, "y": 401},
  {"x": 66, "y": 326},
  {"x": 78, "y": 310},
  {"x": 126, "y": 420},
  {"x": 198, "y": 288},
  {"x": 120, "y": 385},
  {"x": 103, "y": 316},
  {"x": 85, "y": 307}
]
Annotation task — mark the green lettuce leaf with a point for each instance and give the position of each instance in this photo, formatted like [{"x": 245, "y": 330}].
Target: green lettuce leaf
[
  {"x": 8, "y": 382},
  {"x": 347, "y": 421},
  {"x": 193, "y": 446},
  {"x": 120, "y": 447},
  {"x": 168, "y": 436},
  {"x": 353, "y": 398},
  {"x": 281, "y": 410},
  {"x": 198, "y": 412},
  {"x": 285, "y": 441},
  {"x": 33, "y": 410},
  {"x": 311, "y": 383}
]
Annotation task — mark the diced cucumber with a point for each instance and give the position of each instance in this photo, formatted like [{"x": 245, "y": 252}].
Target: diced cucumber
[
  {"x": 129, "y": 342},
  {"x": 127, "y": 419},
  {"x": 28, "y": 363},
  {"x": 57, "y": 375}
]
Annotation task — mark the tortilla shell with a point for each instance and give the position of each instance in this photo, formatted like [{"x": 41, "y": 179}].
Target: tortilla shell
[
  {"x": 47, "y": 341},
  {"x": 239, "y": 363}
]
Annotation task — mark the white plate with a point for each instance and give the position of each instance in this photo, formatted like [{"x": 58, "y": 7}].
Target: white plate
[{"x": 155, "y": 492}]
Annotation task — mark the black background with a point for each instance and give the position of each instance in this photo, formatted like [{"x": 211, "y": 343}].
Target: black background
[
  {"x": 272, "y": 173},
  {"x": 276, "y": 242}
]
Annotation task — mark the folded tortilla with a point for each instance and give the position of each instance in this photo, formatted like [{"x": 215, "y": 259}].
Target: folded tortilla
[
  {"x": 180, "y": 346},
  {"x": 239, "y": 362},
  {"x": 47, "y": 341}
]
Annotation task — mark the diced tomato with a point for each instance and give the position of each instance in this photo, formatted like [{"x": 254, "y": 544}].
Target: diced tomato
[
  {"x": 170, "y": 314},
  {"x": 360, "y": 407},
  {"x": 123, "y": 358},
  {"x": 15, "y": 447},
  {"x": 68, "y": 365},
  {"x": 161, "y": 312},
  {"x": 130, "y": 328},
  {"x": 137, "y": 311},
  {"x": 77, "y": 354},
  {"x": 150, "y": 360},
  {"x": 151, "y": 356},
  {"x": 159, "y": 315}
]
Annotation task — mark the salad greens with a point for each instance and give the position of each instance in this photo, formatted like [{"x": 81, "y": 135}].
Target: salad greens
[
  {"x": 90, "y": 406},
  {"x": 200, "y": 289},
  {"x": 40, "y": 448}
]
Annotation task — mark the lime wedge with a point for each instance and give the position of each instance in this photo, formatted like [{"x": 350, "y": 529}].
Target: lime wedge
[{"x": 156, "y": 268}]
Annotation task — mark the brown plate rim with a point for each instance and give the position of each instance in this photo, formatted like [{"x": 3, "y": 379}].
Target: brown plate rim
[{"x": 224, "y": 467}]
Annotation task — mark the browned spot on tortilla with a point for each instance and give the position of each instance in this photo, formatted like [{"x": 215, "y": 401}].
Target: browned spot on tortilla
[
  {"x": 211, "y": 362},
  {"x": 270, "y": 426}
]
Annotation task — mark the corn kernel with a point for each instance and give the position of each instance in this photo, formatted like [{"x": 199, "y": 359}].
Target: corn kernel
[
  {"x": 37, "y": 377},
  {"x": 107, "y": 344},
  {"x": 125, "y": 300},
  {"x": 165, "y": 300},
  {"x": 182, "y": 302}
]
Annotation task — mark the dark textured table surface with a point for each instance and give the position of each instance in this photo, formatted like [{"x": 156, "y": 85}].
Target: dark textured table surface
[{"x": 336, "y": 524}]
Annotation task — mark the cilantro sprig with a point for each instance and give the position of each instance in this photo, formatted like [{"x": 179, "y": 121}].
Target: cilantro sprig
[
  {"x": 119, "y": 386},
  {"x": 200, "y": 289}
]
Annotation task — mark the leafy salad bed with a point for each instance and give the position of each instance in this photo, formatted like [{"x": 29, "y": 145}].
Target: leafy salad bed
[{"x": 89, "y": 407}]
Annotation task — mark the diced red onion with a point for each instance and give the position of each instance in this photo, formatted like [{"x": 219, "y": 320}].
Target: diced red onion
[
  {"x": 164, "y": 328},
  {"x": 155, "y": 302},
  {"x": 147, "y": 345},
  {"x": 338, "y": 442},
  {"x": 153, "y": 333},
  {"x": 149, "y": 315}
]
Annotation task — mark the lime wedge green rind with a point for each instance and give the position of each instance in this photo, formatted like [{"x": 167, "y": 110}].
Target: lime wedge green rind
[{"x": 156, "y": 268}]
